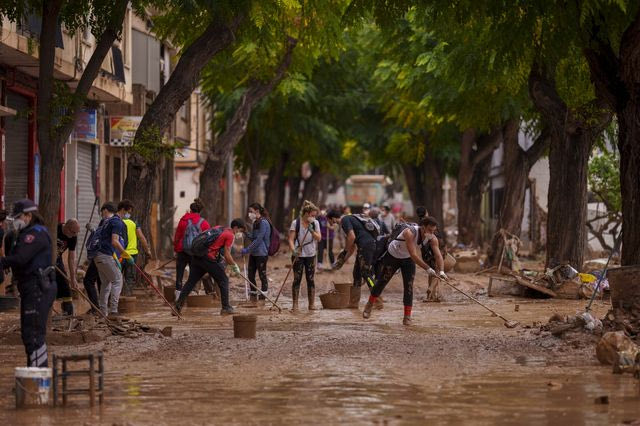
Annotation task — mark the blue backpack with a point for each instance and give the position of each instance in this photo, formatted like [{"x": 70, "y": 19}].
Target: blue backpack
[
  {"x": 93, "y": 244},
  {"x": 190, "y": 234}
]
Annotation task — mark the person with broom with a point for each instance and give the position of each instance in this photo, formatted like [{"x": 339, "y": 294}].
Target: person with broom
[
  {"x": 304, "y": 235},
  {"x": 403, "y": 253}
]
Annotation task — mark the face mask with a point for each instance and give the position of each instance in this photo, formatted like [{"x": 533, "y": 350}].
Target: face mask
[
  {"x": 323, "y": 212},
  {"x": 239, "y": 235},
  {"x": 127, "y": 215},
  {"x": 252, "y": 216},
  {"x": 18, "y": 224}
]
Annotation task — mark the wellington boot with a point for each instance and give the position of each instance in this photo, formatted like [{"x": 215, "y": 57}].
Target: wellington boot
[
  {"x": 354, "y": 298},
  {"x": 379, "y": 303},
  {"x": 295, "y": 293},
  {"x": 368, "y": 307},
  {"x": 311, "y": 294},
  {"x": 407, "y": 320},
  {"x": 67, "y": 308}
]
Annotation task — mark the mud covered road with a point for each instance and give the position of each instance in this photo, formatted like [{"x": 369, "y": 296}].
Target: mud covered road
[{"x": 456, "y": 364}]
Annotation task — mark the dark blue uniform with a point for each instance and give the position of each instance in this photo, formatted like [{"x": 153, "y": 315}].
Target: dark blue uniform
[{"x": 30, "y": 262}]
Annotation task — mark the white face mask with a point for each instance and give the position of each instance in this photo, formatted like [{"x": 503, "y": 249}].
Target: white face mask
[
  {"x": 127, "y": 215},
  {"x": 252, "y": 216},
  {"x": 323, "y": 212},
  {"x": 18, "y": 224},
  {"x": 239, "y": 235}
]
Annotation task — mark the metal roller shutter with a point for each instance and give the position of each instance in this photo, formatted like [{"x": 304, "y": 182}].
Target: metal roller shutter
[
  {"x": 16, "y": 173},
  {"x": 86, "y": 195}
]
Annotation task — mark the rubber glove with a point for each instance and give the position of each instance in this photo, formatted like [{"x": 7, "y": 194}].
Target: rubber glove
[
  {"x": 312, "y": 227},
  {"x": 235, "y": 269},
  {"x": 339, "y": 263},
  {"x": 244, "y": 251},
  {"x": 430, "y": 271},
  {"x": 443, "y": 275}
]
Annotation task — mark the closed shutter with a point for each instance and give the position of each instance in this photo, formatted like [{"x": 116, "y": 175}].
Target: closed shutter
[
  {"x": 86, "y": 196},
  {"x": 17, "y": 171}
]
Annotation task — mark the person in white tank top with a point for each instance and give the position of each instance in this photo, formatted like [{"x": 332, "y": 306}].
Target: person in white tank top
[{"x": 404, "y": 253}]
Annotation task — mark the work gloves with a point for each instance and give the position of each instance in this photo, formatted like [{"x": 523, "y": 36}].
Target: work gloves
[
  {"x": 443, "y": 276},
  {"x": 312, "y": 227},
  {"x": 339, "y": 263},
  {"x": 431, "y": 272},
  {"x": 244, "y": 251},
  {"x": 235, "y": 269}
]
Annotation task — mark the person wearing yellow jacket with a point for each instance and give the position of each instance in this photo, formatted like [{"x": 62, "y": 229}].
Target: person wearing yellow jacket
[{"x": 134, "y": 235}]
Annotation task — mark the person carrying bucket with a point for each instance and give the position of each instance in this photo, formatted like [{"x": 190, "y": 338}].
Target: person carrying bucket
[{"x": 30, "y": 260}]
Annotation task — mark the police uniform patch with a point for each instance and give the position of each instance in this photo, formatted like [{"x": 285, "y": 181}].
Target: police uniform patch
[{"x": 29, "y": 238}]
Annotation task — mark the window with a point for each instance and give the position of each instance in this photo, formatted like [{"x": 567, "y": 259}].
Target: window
[
  {"x": 184, "y": 110},
  {"x": 182, "y": 194}
]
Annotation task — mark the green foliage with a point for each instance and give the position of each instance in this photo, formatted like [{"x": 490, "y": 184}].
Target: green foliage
[
  {"x": 604, "y": 179},
  {"x": 151, "y": 146}
]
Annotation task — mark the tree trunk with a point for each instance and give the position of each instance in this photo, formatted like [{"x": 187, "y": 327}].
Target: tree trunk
[
  {"x": 51, "y": 139},
  {"x": 294, "y": 193},
  {"x": 516, "y": 164},
  {"x": 424, "y": 182},
  {"x": 236, "y": 127},
  {"x": 142, "y": 171},
  {"x": 274, "y": 189},
  {"x": 312, "y": 184},
  {"x": 572, "y": 139},
  {"x": 473, "y": 178},
  {"x": 629, "y": 147},
  {"x": 253, "y": 186}
]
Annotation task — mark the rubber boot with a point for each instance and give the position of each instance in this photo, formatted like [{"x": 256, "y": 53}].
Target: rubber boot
[
  {"x": 368, "y": 307},
  {"x": 354, "y": 298},
  {"x": 311, "y": 294},
  {"x": 179, "y": 303},
  {"x": 67, "y": 308},
  {"x": 379, "y": 303},
  {"x": 294, "y": 295},
  {"x": 406, "y": 320}
]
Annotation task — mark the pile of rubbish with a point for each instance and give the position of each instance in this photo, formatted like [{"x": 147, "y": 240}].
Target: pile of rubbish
[
  {"x": 584, "y": 321},
  {"x": 562, "y": 282}
]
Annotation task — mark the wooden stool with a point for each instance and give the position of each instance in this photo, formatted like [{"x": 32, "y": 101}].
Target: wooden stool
[{"x": 90, "y": 372}]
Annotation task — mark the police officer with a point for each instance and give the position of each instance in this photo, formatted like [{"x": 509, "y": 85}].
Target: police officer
[{"x": 30, "y": 260}]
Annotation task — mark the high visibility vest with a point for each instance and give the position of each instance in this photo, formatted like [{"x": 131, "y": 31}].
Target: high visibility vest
[{"x": 132, "y": 238}]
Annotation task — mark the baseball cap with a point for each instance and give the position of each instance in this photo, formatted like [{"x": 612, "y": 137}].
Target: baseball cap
[{"x": 23, "y": 206}]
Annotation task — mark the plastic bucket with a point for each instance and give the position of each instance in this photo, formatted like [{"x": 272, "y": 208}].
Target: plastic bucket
[
  {"x": 624, "y": 283},
  {"x": 334, "y": 300},
  {"x": 127, "y": 304},
  {"x": 244, "y": 326},
  {"x": 33, "y": 386},
  {"x": 169, "y": 293}
]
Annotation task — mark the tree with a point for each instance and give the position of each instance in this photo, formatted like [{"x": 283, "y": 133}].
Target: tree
[{"x": 58, "y": 105}]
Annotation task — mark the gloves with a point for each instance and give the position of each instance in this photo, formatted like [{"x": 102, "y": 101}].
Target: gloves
[
  {"x": 312, "y": 227},
  {"x": 126, "y": 255},
  {"x": 443, "y": 276},
  {"x": 430, "y": 271},
  {"x": 235, "y": 269},
  {"x": 244, "y": 251},
  {"x": 339, "y": 263}
]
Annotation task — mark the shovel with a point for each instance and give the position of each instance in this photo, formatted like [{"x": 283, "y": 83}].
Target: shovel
[{"x": 507, "y": 323}]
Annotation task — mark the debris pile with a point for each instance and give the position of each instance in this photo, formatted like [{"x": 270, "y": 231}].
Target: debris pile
[
  {"x": 560, "y": 324},
  {"x": 617, "y": 349}
]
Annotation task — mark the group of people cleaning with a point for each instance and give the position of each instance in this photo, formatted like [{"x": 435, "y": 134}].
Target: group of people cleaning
[
  {"x": 380, "y": 249},
  {"x": 112, "y": 248}
]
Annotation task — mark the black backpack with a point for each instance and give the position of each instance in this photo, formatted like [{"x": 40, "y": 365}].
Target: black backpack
[
  {"x": 204, "y": 240},
  {"x": 383, "y": 245}
]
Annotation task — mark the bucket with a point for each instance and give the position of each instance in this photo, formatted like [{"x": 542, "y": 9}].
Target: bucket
[
  {"x": 127, "y": 304},
  {"x": 33, "y": 386},
  {"x": 343, "y": 287},
  {"x": 624, "y": 283},
  {"x": 244, "y": 326},
  {"x": 200, "y": 301},
  {"x": 334, "y": 300},
  {"x": 169, "y": 293}
]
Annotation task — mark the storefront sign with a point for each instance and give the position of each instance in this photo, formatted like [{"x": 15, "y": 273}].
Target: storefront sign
[
  {"x": 86, "y": 128},
  {"x": 122, "y": 130}
]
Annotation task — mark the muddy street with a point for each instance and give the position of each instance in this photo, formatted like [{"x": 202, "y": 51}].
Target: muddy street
[{"x": 456, "y": 364}]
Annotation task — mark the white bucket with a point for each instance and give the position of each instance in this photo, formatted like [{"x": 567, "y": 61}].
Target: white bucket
[{"x": 33, "y": 386}]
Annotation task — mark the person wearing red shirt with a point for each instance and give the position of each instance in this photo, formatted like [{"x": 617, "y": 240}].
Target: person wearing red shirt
[
  {"x": 182, "y": 258},
  {"x": 217, "y": 257}
]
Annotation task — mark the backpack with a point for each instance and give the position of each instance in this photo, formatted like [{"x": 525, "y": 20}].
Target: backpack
[
  {"x": 201, "y": 243},
  {"x": 93, "y": 244},
  {"x": 274, "y": 244},
  {"x": 369, "y": 224},
  {"x": 192, "y": 231},
  {"x": 383, "y": 246}
]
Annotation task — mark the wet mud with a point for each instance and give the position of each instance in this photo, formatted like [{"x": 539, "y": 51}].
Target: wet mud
[{"x": 456, "y": 364}]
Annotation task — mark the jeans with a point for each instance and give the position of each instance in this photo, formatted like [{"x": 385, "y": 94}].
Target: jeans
[
  {"x": 91, "y": 278},
  {"x": 182, "y": 260},
  {"x": 308, "y": 264},
  {"x": 199, "y": 267},
  {"x": 328, "y": 245},
  {"x": 34, "y": 312},
  {"x": 389, "y": 267},
  {"x": 259, "y": 264},
  {"x": 111, "y": 278}
]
